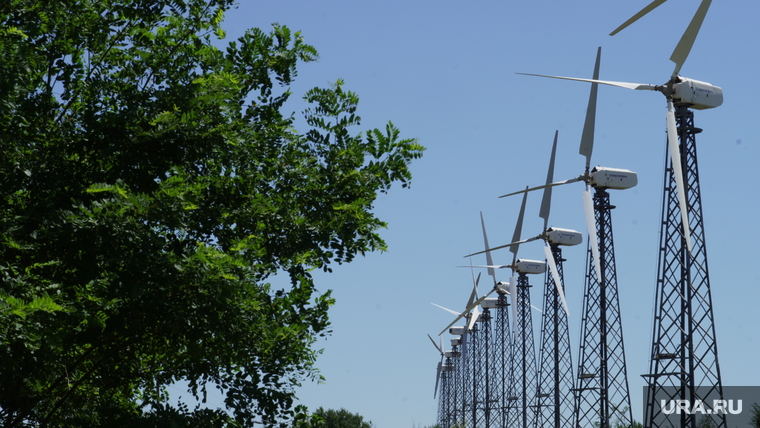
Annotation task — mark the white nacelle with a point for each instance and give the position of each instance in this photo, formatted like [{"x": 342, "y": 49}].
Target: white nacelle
[
  {"x": 558, "y": 236},
  {"x": 490, "y": 303},
  {"x": 530, "y": 266},
  {"x": 699, "y": 95},
  {"x": 613, "y": 178},
  {"x": 447, "y": 367},
  {"x": 456, "y": 341},
  {"x": 457, "y": 331},
  {"x": 453, "y": 354},
  {"x": 503, "y": 286}
]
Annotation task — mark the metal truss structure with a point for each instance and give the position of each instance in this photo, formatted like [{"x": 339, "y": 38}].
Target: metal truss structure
[
  {"x": 602, "y": 396},
  {"x": 525, "y": 376},
  {"x": 554, "y": 400},
  {"x": 684, "y": 358}
]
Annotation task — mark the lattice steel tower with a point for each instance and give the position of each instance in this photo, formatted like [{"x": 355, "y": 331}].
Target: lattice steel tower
[
  {"x": 524, "y": 371},
  {"x": 555, "y": 376},
  {"x": 446, "y": 379},
  {"x": 602, "y": 397},
  {"x": 684, "y": 350},
  {"x": 469, "y": 345},
  {"x": 446, "y": 382},
  {"x": 484, "y": 402},
  {"x": 555, "y": 371},
  {"x": 501, "y": 352},
  {"x": 475, "y": 374}
]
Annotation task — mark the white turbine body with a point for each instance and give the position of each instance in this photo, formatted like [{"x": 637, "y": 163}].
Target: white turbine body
[
  {"x": 530, "y": 267},
  {"x": 698, "y": 95},
  {"x": 613, "y": 178},
  {"x": 453, "y": 354},
  {"x": 556, "y": 235},
  {"x": 457, "y": 331},
  {"x": 490, "y": 303}
]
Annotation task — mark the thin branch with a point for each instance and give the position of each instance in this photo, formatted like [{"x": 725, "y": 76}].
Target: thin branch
[{"x": 92, "y": 70}]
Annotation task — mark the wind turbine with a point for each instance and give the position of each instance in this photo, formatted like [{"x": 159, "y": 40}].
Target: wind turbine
[
  {"x": 684, "y": 358},
  {"x": 555, "y": 376},
  {"x": 442, "y": 367},
  {"x": 524, "y": 353},
  {"x": 445, "y": 377},
  {"x": 474, "y": 360},
  {"x": 499, "y": 376},
  {"x": 679, "y": 91},
  {"x": 602, "y": 391},
  {"x": 479, "y": 364}
]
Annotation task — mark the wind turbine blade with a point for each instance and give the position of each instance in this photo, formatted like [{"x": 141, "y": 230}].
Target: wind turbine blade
[
  {"x": 485, "y": 266},
  {"x": 440, "y": 349},
  {"x": 499, "y": 248},
  {"x": 588, "y": 210},
  {"x": 489, "y": 259},
  {"x": 473, "y": 318},
  {"x": 474, "y": 294},
  {"x": 437, "y": 378},
  {"x": 530, "y": 189},
  {"x": 546, "y": 202},
  {"x": 446, "y": 309},
  {"x": 513, "y": 296},
  {"x": 675, "y": 159},
  {"x": 555, "y": 276},
  {"x": 637, "y": 86},
  {"x": 463, "y": 348},
  {"x": 518, "y": 228},
  {"x": 459, "y": 317},
  {"x": 587, "y": 138},
  {"x": 465, "y": 312},
  {"x": 636, "y": 17},
  {"x": 681, "y": 52}
]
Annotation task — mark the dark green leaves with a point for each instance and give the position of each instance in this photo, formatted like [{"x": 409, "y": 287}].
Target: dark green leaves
[{"x": 150, "y": 185}]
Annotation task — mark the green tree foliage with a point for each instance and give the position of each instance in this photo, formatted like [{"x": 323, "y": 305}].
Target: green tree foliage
[
  {"x": 755, "y": 420},
  {"x": 705, "y": 422},
  {"x": 150, "y": 185},
  {"x": 339, "y": 419}
]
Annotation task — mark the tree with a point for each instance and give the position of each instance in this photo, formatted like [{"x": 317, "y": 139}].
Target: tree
[
  {"x": 755, "y": 420},
  {"x": 342, "y": 418},
  {"x": 705, "y": 422},
  {"x": 150, "y": 186}
]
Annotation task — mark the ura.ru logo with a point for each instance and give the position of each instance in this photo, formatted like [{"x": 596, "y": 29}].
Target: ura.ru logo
[{"x": 685, "y": 406}]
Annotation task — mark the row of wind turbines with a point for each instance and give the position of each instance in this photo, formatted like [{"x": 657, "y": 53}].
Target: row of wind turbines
[{"x": 491, "y": 376}]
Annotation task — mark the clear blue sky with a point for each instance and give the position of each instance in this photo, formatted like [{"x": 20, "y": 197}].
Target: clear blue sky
[{"x": 444, "y": 72}]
